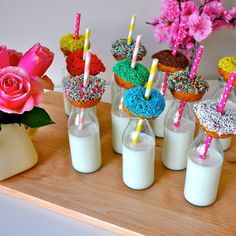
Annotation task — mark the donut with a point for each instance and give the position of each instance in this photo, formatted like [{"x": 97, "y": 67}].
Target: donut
[
  {"x": 226, "y": 66},
  {"x": 75, "y": 64},
  {"x": 128, "y": 77},
  {"x": 214, "y": 123},
  {"x": 121, "y": 50},
  {"x": 169, "y": 63},
  {"x": 184, "y": 88},
  {"x": 136, "y": 105},
  {"x": 84, "y": 97},
  {"x": 69, "y": 44}
]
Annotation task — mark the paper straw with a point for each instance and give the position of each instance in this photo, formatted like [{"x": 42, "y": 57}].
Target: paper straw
[
  {"x": 81, "y": 118},
  {"x": 164, "y": 84},
  {"x": 77, "y": 25},
  {"x": 227, "y": 91},
  {"x": 179, "y": 114},
  {"x": 196, "y": 62},
  {"x": 136, "y": 49},
  {"x": 220, "y": 109},
  {"x": 137, "y": 131},
  {"x": 131, "y": 29},
  {"x": 86, "y": 42},
  {"x": 86, "y": 68},
  {"x": 153, "y": 69},
  {"x": 178, "y": 39},
  {"x": 151, "y": 78}
]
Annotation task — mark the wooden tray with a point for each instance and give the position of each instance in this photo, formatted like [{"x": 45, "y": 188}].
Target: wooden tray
[{"x": 103, "y": 200}]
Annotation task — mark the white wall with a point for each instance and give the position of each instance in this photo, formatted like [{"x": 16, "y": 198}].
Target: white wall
[{"x": 24, "y": 22}]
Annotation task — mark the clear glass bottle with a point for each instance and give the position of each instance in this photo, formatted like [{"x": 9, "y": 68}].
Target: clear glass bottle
[
  {"x": 138, "y": 160},
  {"x": 203, "y": 175},
  {"x": 67, "y": 105},
  {"x": 85, "y": 147},
  {"x": 231, "y": 104},
  {"x": 177, "y": 140},
  {"x": 119, "y": 120},
  {"x": 115, "y": 88},
  {"x": 158, "y": 123}
]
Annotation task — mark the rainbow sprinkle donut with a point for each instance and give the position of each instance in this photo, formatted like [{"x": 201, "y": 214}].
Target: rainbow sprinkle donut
[
  {"x": 121, "y": 50},
  {"x": 135, "y": 103},
  {"x": 81, "y": 96}
]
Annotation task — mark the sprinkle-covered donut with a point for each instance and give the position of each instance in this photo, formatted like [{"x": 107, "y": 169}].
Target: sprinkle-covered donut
[
  {"x": 214, "y": 123},
  {"x": 121, "y": 50},
  {"x": 81, "y": 96},
  {"x": 226, "y": 66},
  {"x": 127, "y": 77},
  {"x": 75, "y": 64},
  {"x": 135, "y": 104},
  {"x": 184, "y": 88},
  {"x": 69, "y": 44},
  {"x": 169, "y": 63}
]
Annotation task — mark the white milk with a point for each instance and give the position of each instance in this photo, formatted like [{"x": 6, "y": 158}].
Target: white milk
[
  {"x": 176, "y": 144},
  {"x": 226, "y": 142},
  {"x": 202, "y": 177},
  {"x": 158, "y": 123},
  {"x": 85, "y": 148},
  {"x": 138, "y": 162},
  {"x": 17, "y": 152},
  {"x": 119, "y": 122}
]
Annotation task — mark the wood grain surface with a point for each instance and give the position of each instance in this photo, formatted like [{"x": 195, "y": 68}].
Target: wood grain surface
[{"x": 102, "y": 199}]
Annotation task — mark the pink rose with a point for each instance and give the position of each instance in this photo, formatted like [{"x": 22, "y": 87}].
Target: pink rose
[
  {"x": 18, "y": 92},
  {"x": 4, "y": 60},
  {"x": 36, "y": 60},
  {"x": 14, "y": 57}
]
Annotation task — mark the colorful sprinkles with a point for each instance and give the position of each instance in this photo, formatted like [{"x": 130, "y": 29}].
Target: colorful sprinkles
[
  {"x": 180, "y": 82},
  {"x": 136, "y": 103},
  {"x": 206, "y": 112},
  {"x": 137, "y": 76},
  {"x": 76, "y": 92},
  {"x": 122, "y": 49}
]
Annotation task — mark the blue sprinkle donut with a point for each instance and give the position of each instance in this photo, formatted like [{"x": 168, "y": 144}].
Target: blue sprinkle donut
[{"x": 136, "y": 105}]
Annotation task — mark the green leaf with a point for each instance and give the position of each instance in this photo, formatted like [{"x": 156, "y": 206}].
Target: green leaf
[{"x": 35, "y": 118}]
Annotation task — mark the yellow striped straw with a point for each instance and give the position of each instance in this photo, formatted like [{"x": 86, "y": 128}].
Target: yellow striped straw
[
  {"x": 137, "y": 131},
  {"x": 86, "y": 42},
  {"x": 131, "y": 29},
  {"x": 153, "y": 70},
  {"x": 151, "y": 78}
]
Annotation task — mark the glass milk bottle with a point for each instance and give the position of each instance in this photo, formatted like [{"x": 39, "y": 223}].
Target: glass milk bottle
[
  {"x": 177, "y": 140},
  {"x": 67, "y": 105},
  {"x": 230, "y": 104},
  {"x": 138, "y": 159},
  {"x": 119, "y": 121},
  {"x": 158, "y": 123},
  {"x": 85, "y": 147},
  {"x": 115, "y": 88},
  {"x": 203, "y": 175}
]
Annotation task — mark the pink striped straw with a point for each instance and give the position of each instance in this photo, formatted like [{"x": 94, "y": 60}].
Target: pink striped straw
[
  {"x": 196, "y": 62},
  {"x": 179, "y": 114},
  {"x": 178, "y": 39},
  {"x": 77, "y": 25},
  {"x": 164, "y": 84},
  {"x": 85, "y": 84},
  {"x": 220, "y": 109},
  {"x": 81, "y": 118},
  {"x": 87, "y": 68},
  {"x": 136, "y": 49}
]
